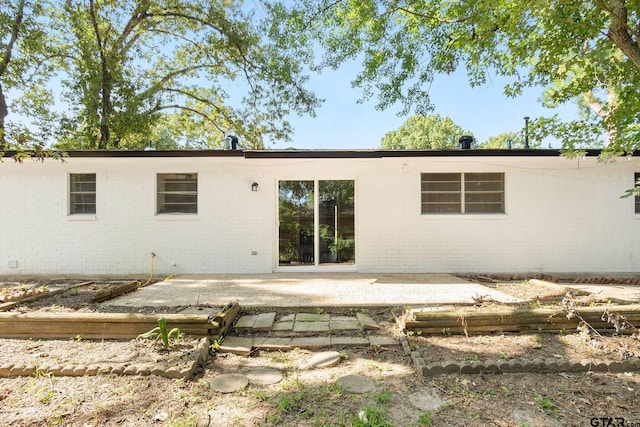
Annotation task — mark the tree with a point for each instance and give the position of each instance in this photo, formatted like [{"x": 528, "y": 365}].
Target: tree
[
  {"x": 424, "y": 132},
  {"x": 25, "y": 63},
  {"x": 580, "y": 51},
  {"x": 131, "y": 62}
]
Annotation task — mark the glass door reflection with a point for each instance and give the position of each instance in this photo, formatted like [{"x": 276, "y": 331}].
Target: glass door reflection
[
  {"x": 316, "y": 229},
  {"x": 296, "y": 218}
]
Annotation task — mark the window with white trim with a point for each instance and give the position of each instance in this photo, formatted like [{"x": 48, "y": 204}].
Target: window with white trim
[
  {"x": 464, "y": 192},
  {"x": 177, "y": 193},
  {"x": 82, "y": 193}
]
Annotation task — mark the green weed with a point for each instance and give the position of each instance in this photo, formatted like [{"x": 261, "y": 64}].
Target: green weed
[
  {"x": 371, "y": 417},
  {"x": 161, "y": 331},
  {"x": 382, "y": 397},
  {"x": 546, "y": 405},
  {"x": 425, "y": 419}
]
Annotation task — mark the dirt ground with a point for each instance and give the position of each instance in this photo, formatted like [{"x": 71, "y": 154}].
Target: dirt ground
[{"x": 312, "y": 397}]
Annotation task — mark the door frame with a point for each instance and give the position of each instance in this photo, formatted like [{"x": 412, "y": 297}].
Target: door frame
[{"x": 316, "y": 267}]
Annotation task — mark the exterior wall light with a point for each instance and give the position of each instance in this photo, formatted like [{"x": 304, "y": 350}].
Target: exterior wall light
[{"x": 254, "y": 186}]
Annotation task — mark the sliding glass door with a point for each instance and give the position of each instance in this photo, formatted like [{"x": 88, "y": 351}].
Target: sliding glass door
[{"x": 316, "y": 222}]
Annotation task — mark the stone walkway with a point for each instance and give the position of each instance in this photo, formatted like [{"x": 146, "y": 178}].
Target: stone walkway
[{"x": 268, "y": 331}]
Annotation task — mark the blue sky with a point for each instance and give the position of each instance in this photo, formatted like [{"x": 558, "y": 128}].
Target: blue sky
[{"x": 342, "y": 123}]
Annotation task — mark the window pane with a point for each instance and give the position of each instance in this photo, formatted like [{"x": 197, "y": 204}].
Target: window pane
[
  {"x": 177, "y": 193},
  {"x": 484, "y": 192},
  {"x": 337, "y": 226},
  {"x": 82, "y": 193},
  {"x": 441, "y": 207},
  {"x": 441, "y": 193},
  {"x": 296, "y": 218}
]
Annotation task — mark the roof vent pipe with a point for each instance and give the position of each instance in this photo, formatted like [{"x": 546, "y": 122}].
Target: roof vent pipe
[
  {"x": 233, "y": 141},
  {"x": 465, "y": 142}
]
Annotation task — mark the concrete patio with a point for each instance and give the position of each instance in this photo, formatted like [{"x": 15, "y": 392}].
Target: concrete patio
[{"x": 300, "y": 290}]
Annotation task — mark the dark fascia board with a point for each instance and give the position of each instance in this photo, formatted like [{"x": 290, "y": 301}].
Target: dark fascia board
[
  {"x": 347, "y": 154},
  {"x": 316, "y": 154}
]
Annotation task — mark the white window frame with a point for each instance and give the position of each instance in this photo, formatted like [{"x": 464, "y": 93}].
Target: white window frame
[
  {"x": 162, "y": 193},
  {"x": 462, "y": 192},
  {"x": 76, "y": 195}
]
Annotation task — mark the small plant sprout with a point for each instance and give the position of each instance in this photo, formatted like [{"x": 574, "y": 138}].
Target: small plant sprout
[
  {"x": 546, "y": 405},
  {"x": 425, "y": 419},
  {"x": 215, "y": 345},
  {"x": 161, "y": 331},
  {"x": 382, "y": 397},
  {"x": 537, "y": 342}
]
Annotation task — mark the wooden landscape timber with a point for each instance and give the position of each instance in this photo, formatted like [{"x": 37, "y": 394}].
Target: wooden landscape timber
[
  {"x": 225, "y": 317},
  {"x": 111, "y": 325},
  {"x": 508, "y": 319},
  {"x": 11, "y": 304},
  {"x": 107, "y": 294}
]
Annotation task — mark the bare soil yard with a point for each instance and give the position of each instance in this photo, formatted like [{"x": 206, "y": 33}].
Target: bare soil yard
[{"x": 312, "y": 397}]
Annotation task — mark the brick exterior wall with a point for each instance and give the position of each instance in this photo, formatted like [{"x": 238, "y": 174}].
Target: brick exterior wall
[{"x": 562, "y": 216}]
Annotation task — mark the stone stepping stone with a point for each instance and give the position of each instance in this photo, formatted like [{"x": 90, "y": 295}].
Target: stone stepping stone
[
  {"x": 264, "y": 321},
  {"x": 229, "y": 383},
  {"x": 264, "y": 376},
  {"x": 237, "y": 345},
  {"x": 356, "y": 384},
  {"x": 273, "y": 343},
  {"x": 312, "y": 317},
  {"x": 246, "y": 322},
  {"x": 381, "y": 340},
  {"x": 287, "y": 317},
  {"x": 425, "y": 401},
  {"x": 367, "y": 322},
  {"x": 310, "y": 326},
  {"x": 350, "y": 341},
  {"x": 325, "y": 359},
  {"x": 283, "y": 325},
  {"x": 344, "y": 324},
  {"x": 310, "y": 342}
]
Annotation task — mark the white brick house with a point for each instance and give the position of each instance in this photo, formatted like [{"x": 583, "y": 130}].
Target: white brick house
[{"x": 226, "y": 211}]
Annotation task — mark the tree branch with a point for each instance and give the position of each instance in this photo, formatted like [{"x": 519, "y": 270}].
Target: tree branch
[
  {"x": 158, "y": 85},
  {"x": 191, "y": 110},
  {"x": 619, "y": 30},
  {"x": 15, "y": 30},
  {"x": 430, "y": 17}
]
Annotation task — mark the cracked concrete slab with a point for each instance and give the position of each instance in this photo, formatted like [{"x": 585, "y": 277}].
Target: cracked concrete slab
[{"x": 296, "y": 290}]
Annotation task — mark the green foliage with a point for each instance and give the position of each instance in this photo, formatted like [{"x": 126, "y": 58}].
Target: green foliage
[
  {"x": 174, "y": 73},
  {"x": 371, "y": 417},
  {"x": 383, "y": 397},
  {"x": 514, "y": 140},
  {"x": 583, "y": 52},
  {"x": 546, "y": 405},
  {"x": 132, "y": 62},
  {"x": 162, "y": 332},
  {"x": 425, "y": 419},
  {"x": 424, "y": 132},
  {"x": 26, "y": 58},
  {"x": 20, "y": 144}
]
